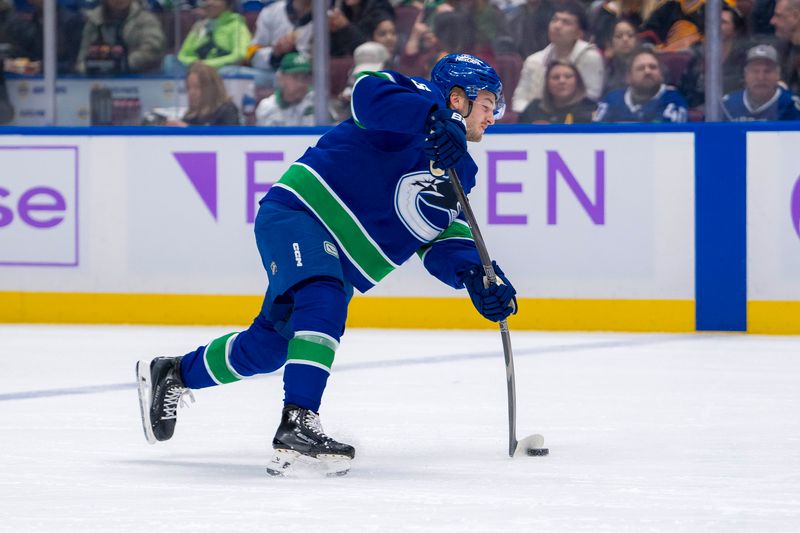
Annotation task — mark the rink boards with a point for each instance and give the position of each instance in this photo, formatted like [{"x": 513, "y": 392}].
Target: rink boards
[{"x": 633, "y": 228}]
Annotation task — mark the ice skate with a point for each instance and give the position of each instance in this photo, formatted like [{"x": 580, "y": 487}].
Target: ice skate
[
  {"x": 301, "y": 439},
  {"x": 161, "y": 390}
]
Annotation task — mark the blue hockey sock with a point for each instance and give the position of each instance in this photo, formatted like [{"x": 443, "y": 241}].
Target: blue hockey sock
[{"x": 318, "y": 318}]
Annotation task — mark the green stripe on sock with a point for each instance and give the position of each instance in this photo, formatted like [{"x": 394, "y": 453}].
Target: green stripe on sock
[
  {"x": 339, "y": 221},
  {"x": 311, "y": 348},
  {"x": 216, "y": 360}
]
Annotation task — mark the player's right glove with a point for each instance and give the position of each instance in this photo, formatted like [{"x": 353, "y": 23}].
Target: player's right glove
[
  {"x": 446, "y": 142},
  {"x": 494, "y": 302}
]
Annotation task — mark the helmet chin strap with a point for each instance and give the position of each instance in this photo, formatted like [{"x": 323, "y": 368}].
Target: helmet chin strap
[{"x": 469, "y": 108}]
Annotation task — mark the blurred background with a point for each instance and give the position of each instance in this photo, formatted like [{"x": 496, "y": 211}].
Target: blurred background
[{"x": 270, "y": 63}]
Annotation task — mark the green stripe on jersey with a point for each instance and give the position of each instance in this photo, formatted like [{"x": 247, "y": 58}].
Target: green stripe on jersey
[
  {"x": 312, "y": 349},
  {"x": 456, "y": 230},
  {"x": 216, "y": 359},
  {"x": 352, "y": 237}
]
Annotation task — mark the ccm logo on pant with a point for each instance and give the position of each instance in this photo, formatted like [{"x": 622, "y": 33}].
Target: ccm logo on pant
[{"x": 297, "y": 257}]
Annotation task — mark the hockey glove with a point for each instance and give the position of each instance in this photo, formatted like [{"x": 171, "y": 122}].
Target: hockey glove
[
  {"x": 446, "y": 142},
  {"x": 495, "y": 302}
]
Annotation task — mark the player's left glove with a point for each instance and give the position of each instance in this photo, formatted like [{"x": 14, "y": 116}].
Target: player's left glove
[
  {"x": 446, "y": 141},
  {"x": 494, "y": 302}
]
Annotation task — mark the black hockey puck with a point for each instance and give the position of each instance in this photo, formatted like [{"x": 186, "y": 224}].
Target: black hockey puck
[{"x": 538, "y": 451}]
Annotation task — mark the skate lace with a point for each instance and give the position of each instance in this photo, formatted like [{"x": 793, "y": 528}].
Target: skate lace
[
  {"x": 313, "y": 423},
  {"x": 175, "y": 397}
]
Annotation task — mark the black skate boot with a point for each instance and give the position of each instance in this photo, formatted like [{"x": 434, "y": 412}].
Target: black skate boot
[
  {"x": 161, "y": 389},
  {"x": 300, "y": 436}
]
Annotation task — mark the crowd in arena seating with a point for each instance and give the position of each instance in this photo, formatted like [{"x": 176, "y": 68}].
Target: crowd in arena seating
[{"x": 562, "y": 61}]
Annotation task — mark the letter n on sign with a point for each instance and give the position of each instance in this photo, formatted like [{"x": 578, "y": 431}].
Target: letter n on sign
[{"x": 596, "y": 210}]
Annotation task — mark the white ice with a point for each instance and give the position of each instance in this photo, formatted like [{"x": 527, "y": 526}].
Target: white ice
[{"x": 647, "y": 432}]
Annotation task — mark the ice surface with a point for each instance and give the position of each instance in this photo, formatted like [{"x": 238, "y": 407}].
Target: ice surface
[{"x": 646, "y": 433}]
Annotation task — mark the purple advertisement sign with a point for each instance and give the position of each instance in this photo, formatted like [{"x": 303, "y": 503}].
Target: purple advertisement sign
[{"x": 39, "y": 206}]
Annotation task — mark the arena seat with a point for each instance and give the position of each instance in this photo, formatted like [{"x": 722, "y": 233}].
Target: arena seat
[
  {"x": 509, "y": 68},
  {"x": 340, "y": 68},
  {"x": 675, "y": 64}
]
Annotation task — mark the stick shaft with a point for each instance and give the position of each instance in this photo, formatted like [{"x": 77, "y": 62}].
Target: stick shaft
[{"x": 486, "y": 261}]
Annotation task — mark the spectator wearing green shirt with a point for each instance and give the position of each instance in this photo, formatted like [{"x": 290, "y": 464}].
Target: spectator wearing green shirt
[{"x": 220, "y": 40}]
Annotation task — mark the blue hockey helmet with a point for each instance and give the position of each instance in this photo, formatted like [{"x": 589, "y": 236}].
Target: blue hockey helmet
[{"x": 472, "y": 74}]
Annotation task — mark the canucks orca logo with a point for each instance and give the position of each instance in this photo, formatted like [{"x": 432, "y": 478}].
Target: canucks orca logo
[
  {"x": 426, "y": 204},
  {"x": 796, "y": 207}
]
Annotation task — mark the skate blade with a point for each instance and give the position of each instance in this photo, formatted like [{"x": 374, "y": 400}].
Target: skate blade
[
  {"x": 145, "y": 397},
  {"x": 289, "y": 463}
]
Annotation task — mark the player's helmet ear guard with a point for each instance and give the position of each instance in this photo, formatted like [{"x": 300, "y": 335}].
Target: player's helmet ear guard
[{"x": 472, "y": 75}]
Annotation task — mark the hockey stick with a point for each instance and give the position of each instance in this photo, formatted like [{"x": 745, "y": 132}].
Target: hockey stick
[{"x": 533, "y": 444}]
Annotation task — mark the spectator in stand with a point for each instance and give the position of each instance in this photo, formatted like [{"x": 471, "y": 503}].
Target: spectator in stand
[
  {"x": 646, "y": 99},
  {"x": 565, "y": 31},
  {"x": 451, "y": 32},
  {"x": 360, "y": 14},
  {"x": 490, "y": 27},
  {"x": 611, "y": 12},
  {"x": 787, "y": 28},
  {"x": 762, "y": 17},
  {"x": 370, "y": 56},
  {"x": 676, "y": 24},
  {"x": 344, "y": 37},
  {"x": 734, "y": 49},
  {"x": 209, "y": 104},
  {"x": 564, "y": 100},
  {"x": 120, "y": 36},
  {"x": 219, "y": 40},
  {"x": 381, "y": 29},
  {"x": 527, "y": 24},
  {"x": 618, "y": 54},
  {"x": 762, "y": 97},
  {"x": 292, "y": 104},
  {"x": 25, "y": 34},
  {"x": 273, "y": 23}
]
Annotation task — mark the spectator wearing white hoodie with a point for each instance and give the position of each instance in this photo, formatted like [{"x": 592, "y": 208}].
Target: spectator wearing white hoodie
[{"x": 565, "y": 32}]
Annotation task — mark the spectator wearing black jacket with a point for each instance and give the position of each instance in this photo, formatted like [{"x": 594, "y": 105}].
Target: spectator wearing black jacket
[
  {"x": 564, "y": 100},
  {"x": 25, "y": 33}
]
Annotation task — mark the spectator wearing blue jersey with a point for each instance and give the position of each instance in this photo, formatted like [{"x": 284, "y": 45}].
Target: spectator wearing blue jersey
[
  {"x": 762, "y": 97},
  {"x": 646, "y": 98}
]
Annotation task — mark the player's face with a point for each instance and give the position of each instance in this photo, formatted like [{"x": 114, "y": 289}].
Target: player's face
[
  {"x": 785, "y": 19},
  {"x": 761, "y": 79},
  {"x": 561, "y": 83},
  {"x": 624, "y": 38},
  {"x": 563, "y": 29},
  {"x": 645, "y": 73},
  {"x": 481, "y": 116}
]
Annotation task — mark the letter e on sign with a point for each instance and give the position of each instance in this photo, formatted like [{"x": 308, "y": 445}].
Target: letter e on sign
[{"x": 39, "y": 206}]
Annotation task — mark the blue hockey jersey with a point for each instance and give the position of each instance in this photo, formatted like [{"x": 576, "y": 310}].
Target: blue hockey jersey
[
  {"x": 668, "y": 105},
  {"x": 368, "y": 182},
  {"x": 782, "y": 106}
]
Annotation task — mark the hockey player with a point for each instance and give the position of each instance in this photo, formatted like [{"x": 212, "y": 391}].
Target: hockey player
[
  {"x": 647, "y": 98},
  {"x": 345, "y": 214}
]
